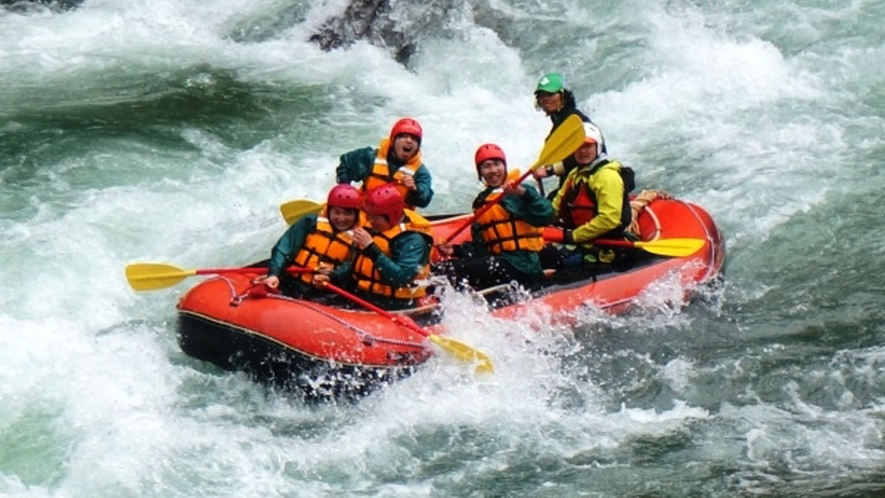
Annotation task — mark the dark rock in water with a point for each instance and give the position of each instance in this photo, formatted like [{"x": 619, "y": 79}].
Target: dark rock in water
[
  {"x": 394, "y": 25},
  {"x": 25, "y": 6}
]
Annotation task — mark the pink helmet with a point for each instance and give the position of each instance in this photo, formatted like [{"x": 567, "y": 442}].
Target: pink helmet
[
  {"x": 344, "y": 196},
  {"x": 385, "y": 200},
  {"x": 486, "y": 152},
  {"x": 408, "y": 126}
]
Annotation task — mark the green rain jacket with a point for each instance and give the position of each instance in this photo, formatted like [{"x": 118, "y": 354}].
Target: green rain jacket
[{"x": 356, "y": 165}]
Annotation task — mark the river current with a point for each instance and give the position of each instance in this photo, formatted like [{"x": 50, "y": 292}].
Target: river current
[{"x": 171, "y": 131}]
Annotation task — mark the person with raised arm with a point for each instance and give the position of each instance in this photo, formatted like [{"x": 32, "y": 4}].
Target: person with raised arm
[
  {"x": 593, "y": 203},
  {"x": 397, "y": 160},
  {"x": 558, "y": 103},
  {"x": 505, "y": 238}
]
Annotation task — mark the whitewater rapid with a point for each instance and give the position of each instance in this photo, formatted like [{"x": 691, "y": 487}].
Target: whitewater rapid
[{"x": 171, "y": 132}]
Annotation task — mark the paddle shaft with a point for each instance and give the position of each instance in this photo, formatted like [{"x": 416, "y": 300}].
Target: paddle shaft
[
  {"x": 598, "y": 242},
  {"x": 676, "y": 247},
  {"x": 567, "y": 138},
  {"x": 541, "y": 187},
  {"x": 614, "y": 243},
  {"x": 153, "y": 276},
  {"x": 479, "y": 212},
  {"x": 664, "y": 247},
  {"x": 457, "y": 349},
  {"x": 371, "y": 307},
  {"x": 215, "y": 271}
]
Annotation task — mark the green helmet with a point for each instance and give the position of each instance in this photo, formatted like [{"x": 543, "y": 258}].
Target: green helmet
[{"x": 550, "y": 83}]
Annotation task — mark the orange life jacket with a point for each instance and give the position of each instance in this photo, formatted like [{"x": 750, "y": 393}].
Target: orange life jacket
[
  {"x": 326, "y": 245},
  {"x": 381, "y": 173},
  {"x": 501, "y": 232},
  {"x": 366, "y": 275}
]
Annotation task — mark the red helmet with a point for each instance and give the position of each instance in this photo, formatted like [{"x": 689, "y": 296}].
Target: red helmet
[
  {"x": 385, "y": 200},
  {"x": 486, "y": 152},
  {"x": 344, "y": 196},
  {"x": 408, "y": 126}
]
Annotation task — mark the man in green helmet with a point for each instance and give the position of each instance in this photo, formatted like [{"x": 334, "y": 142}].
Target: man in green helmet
[{"x": 557, "y": 102}]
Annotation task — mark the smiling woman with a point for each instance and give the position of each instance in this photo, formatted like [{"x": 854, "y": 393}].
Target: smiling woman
[{"x": 319, "y": 241}]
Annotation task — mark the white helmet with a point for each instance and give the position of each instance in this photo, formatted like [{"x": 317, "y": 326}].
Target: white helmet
[{"x": 594, "y": 134}]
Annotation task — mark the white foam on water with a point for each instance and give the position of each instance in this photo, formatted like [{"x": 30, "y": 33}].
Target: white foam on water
[{"x": 130, "y": 415}]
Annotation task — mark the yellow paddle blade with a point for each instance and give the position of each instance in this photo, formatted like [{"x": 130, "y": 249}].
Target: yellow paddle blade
[
  {"x": 153, "y": 276},
  {"x": 567, "y": 138},
  {"x": 292, "y": 211},
  {"x": 464, "y": 353},
  {"x": 678, "y": 248}
]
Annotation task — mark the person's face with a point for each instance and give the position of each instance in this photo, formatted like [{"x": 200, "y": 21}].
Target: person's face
[
  {"x": 549, "y": 102},
  {"x": 405, "y": 146},
  {"x": 586, "y": 153},
  {"x": 493, "y": 172},
  {"x": 342, "y": 218},
  {"x": 380, "y": 222}
]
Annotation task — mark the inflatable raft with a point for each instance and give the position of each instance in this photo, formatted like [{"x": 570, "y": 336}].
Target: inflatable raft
[{"x": 323, "y": 351}]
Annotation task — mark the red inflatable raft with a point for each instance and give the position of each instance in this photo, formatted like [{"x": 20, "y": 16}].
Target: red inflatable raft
[{"x": 321, "y": 351}]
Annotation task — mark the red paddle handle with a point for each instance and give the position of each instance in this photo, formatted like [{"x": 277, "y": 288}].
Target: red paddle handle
[
  {"x": 371, "y": 307},
  {"x": 215, "y": 271}
]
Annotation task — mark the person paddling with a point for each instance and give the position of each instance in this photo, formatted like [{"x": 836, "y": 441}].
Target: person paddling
[
  {"x": 319, "y": 239},
  {"x": 397, "y": 160},
  {"x": 558, "y": 103},
  {"x": 505, "y": 238},
  {"x": 593, "y": 203}
]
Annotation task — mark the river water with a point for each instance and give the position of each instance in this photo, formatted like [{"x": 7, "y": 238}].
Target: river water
[{"x": 171, "y": 131}]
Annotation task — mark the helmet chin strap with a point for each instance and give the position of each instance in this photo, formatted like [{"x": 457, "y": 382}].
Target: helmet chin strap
[{"x": 599, "y": 158}]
